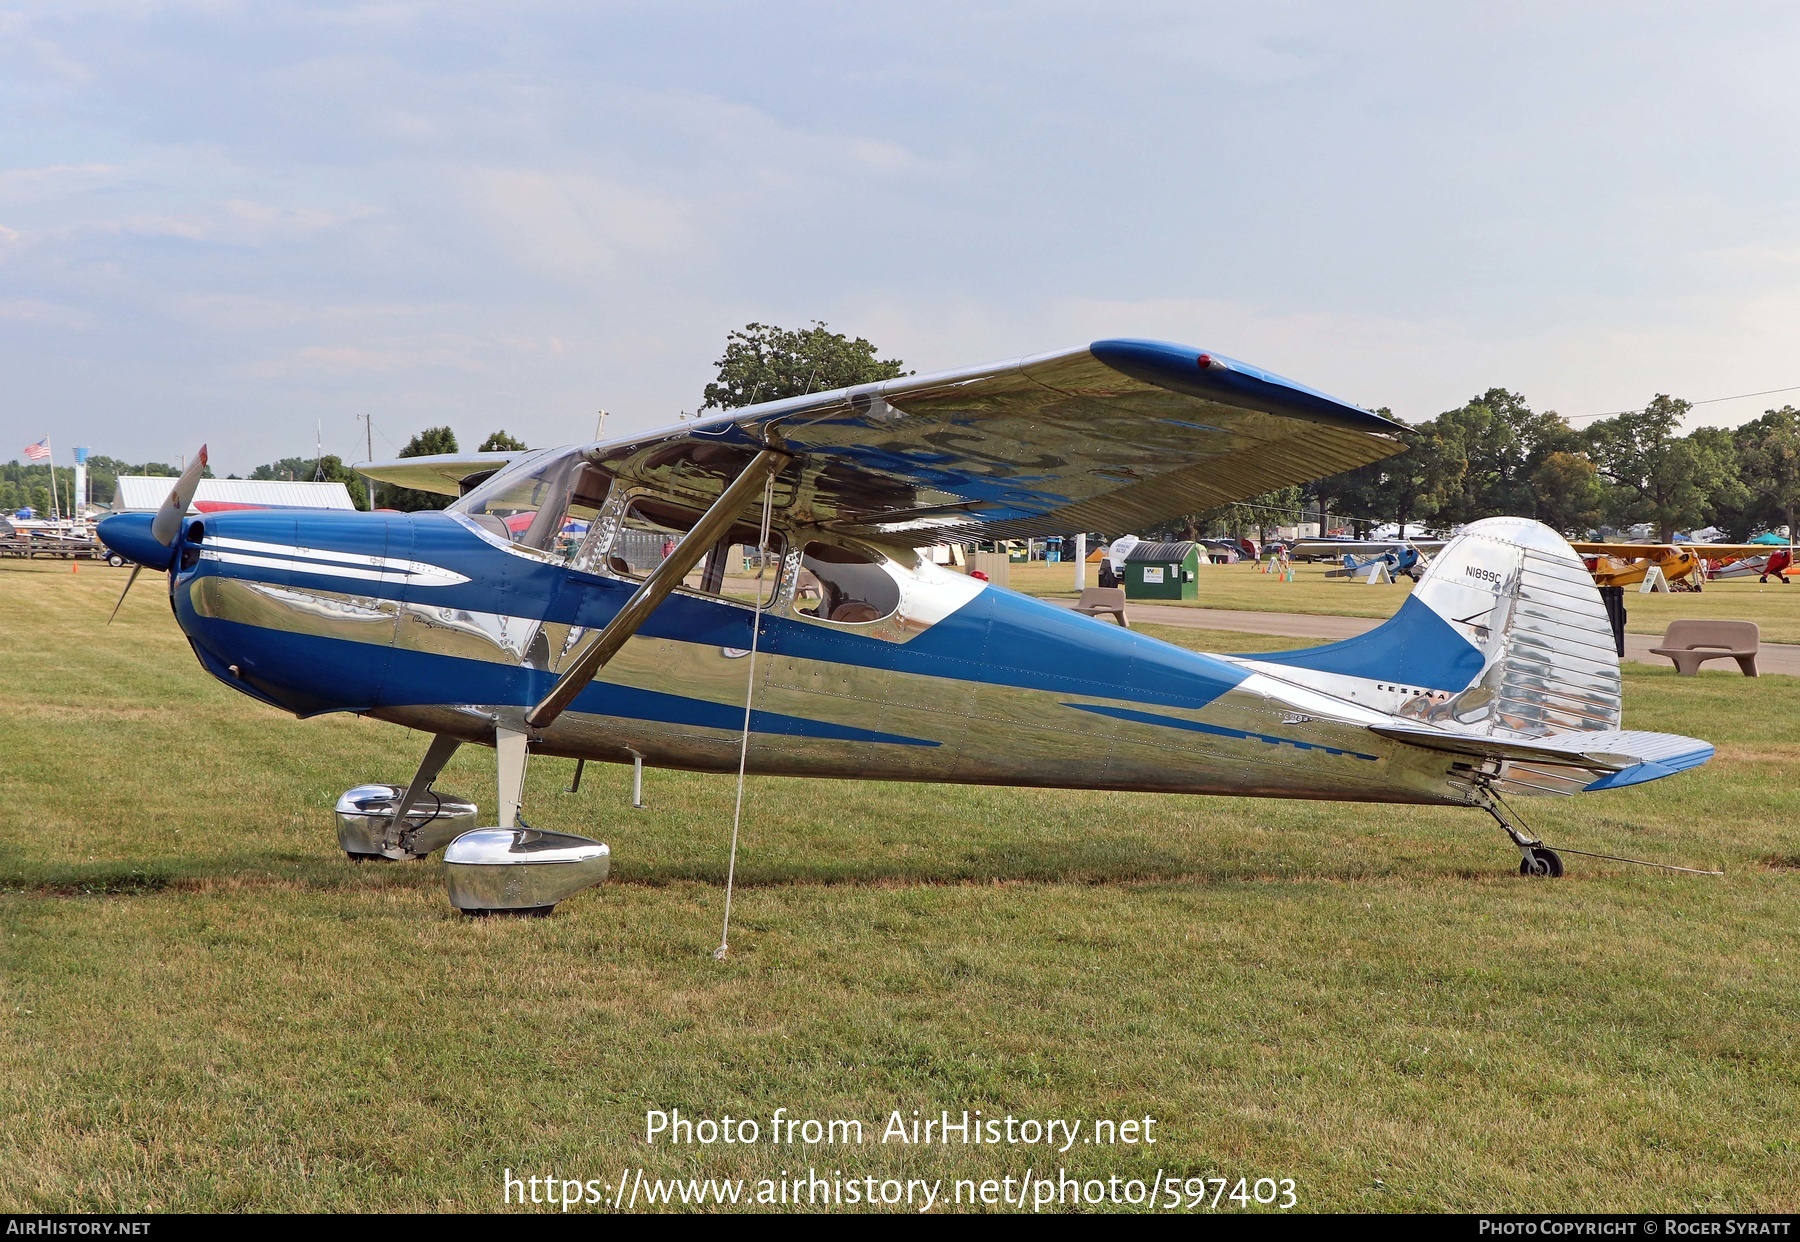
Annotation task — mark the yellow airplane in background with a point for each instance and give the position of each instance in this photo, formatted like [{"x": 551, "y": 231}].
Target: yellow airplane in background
[{"x": 1626, "y": 564}]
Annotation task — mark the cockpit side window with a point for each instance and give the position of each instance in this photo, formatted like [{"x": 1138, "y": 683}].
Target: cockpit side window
[
  {"x": 843, "y": 585},
  {"x": 651, "y": 528},
  {"x": 543, "y": 506}
]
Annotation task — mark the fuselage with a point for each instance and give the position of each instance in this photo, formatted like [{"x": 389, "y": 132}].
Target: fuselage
[{"x": 429, "y": 621}]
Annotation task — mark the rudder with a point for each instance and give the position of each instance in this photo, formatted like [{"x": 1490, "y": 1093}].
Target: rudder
[
  {"x": 1505, "y": 634},
  {"x": 1517, "y": 592}
]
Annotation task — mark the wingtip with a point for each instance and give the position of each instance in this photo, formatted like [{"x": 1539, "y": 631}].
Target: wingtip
[{"x": 1204, "y": 372}]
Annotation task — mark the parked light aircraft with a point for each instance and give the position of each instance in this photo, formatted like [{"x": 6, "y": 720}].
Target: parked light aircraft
[
  {"x": 1403, "y": 560},
  {"x": 1627, "y": 564},
  {"x": 1335, "y": 548},
  {"x": 585, "y": 602}
]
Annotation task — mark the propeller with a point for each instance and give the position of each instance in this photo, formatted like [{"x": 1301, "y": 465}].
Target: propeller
[
  {"x": 135, "y": 571},
  {"x": 124, "y": 532},
  {"x": 175, "y": 506}
]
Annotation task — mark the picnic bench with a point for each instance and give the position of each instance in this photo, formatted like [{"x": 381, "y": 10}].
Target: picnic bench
[
  {"x": 1098, "y": 601},
  {"x": 1692, "y": 643}
]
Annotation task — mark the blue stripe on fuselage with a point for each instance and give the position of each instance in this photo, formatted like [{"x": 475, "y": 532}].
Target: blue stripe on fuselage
[
  {"x": 389, "y": 677},
  {"x": 1414, "y": 646},
  {"x": 998, "y": 638}
]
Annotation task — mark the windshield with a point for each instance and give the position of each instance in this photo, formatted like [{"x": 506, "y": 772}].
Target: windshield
[{"x": 545, "y": 503}]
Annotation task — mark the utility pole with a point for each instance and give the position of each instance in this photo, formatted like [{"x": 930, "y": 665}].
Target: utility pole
[
  {"x": 368, "y": 422},
  {"x": 600, "y": 426}
]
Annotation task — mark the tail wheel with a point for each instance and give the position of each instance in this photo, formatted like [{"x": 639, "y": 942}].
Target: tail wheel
[{"x": 1542, "y": 861}]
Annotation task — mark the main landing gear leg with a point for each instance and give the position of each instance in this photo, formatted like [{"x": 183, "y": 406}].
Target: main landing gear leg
[
  {"x": 1536, "y": 858},
  {"x": 442, "y": 747},
  {"x": 386, "y": 821},
  {"x": 514, "y": 868},
  {"x": 509, "y": 749}
]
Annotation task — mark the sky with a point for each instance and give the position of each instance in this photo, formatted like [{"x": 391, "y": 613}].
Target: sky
[{"x": 247, "y": 223}]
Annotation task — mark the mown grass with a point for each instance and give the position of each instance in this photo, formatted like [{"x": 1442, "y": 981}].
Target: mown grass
[
  {"x": 1775, "y": 608},
  {"x": 205, "y": 1007}
]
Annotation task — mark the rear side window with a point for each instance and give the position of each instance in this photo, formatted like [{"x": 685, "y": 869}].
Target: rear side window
[{"x": 843, "y": 585}]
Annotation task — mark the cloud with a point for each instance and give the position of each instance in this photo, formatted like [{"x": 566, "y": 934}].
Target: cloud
[
  {"x": 17, "y": 183},
  {"x": 570, "y": 226},
  {"x": 241, "y": 313},
  {"x": 342, "y": 360},
  {"x": 1699, "y": 348},
  {"x": 45, "y": 314},
  {"x": 433, "y": 212}
]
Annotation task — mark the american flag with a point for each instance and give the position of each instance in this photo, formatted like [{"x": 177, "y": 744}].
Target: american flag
[{"x": 38, "y": 451}]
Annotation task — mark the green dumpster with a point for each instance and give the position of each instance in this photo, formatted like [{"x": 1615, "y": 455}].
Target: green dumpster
[{"x": 1163, "y": 571}]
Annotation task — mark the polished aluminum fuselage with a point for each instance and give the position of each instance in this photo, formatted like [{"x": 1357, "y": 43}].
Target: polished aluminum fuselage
[{"x": 429, "y": 621}]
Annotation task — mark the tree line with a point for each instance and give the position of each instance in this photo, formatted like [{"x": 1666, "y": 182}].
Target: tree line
[
  {"x": 1495, "y": 456},
  {"x": 1491, "y": 456},
  {"x": 27, "y": 485}
]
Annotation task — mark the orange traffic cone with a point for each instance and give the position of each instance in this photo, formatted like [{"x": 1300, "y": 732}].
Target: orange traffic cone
[{"x": 74, "y": 567}]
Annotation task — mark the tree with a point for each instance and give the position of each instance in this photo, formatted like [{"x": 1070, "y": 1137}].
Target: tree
[
  {"x": 1661, "y": 477},
  {"x": 427, "y": 443},
  {"x": 1567, "y": 493},
  {"x": 1490, "y": 448},
  {"x": 766, "y": 363},
  {"x": 1768, "y": 451},
  {"x": 500, "y": 442},
  {"x": 327, "y": 469},
  {"x": 1407, "y": 487},
  {"x": 103, "y": 477}
]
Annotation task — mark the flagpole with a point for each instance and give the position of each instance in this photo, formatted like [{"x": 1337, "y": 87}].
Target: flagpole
[{"x": 50, "y": 461}]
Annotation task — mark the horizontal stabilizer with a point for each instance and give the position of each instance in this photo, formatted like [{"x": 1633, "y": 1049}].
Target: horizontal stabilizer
[{"x": 1617, "y": 757}]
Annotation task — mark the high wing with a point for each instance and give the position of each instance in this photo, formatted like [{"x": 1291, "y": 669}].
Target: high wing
[
  {"x": 1112, "y": 436},
  {"x": 447, "y": 474},
  {"x": 1332, "y": 549}
]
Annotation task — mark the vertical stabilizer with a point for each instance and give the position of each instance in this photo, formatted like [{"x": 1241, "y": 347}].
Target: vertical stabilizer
[
  {"x": 1504, "y": 635},
  {"x": 1518, "y": 593}
]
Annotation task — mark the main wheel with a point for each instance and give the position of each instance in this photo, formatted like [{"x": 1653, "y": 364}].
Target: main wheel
[{"x": 1542, "y": 861}]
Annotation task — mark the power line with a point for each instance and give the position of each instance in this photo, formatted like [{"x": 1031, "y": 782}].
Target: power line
[{"x": 1767, "y": 392}]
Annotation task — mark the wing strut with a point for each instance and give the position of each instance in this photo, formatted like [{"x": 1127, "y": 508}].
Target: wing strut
[{"x": 655, "y": 588}]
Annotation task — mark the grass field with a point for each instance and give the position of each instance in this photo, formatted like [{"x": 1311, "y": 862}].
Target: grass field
[
  {"x": 1773, "y": 607},
  {"x": 206, "y": 1007}
]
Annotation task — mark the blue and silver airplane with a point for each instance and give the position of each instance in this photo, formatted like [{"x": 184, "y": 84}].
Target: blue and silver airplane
[{"x": 747, "y": 588}]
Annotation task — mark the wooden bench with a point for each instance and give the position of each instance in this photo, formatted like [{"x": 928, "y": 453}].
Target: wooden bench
[
  {"x": 1096, "y": 601},
  {"x": 1692, "y": 643}
]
